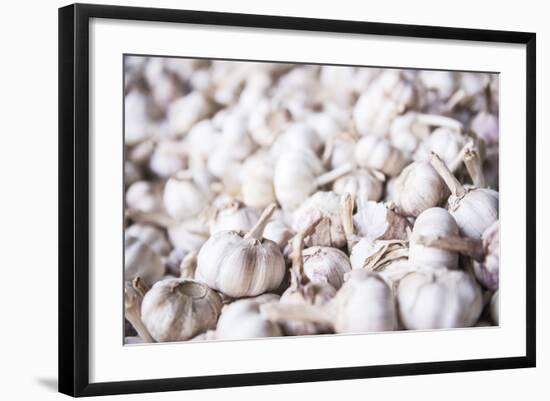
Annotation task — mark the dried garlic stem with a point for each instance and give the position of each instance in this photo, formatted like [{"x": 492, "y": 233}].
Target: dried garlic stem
[
  {"x": 457, "y": 189},
  {"x": 278, "y": 312},
  {"x": 466, "y": 246},
  {"x": 455, "y": 99},
  {"x": 334, "y": 174},
  {"x": 154, "y": 218},
  {"x": 139, "y": 286},
  {"x": 439, "y": 121},
  {"x": 473, "y": 165},
  {"x": 257, "y": 231},
  {"x": 132, "y": 313},
  {"x": 346, "y": 216},
  {"x": 188, "y": 265},
  {"x": 299, "y": 278}
]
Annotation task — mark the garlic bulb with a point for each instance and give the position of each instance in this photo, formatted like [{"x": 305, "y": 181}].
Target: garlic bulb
[
  {"x": 495, "y": 307},
  {"x": 151, "y": 236},
  {"x": 406, "y": 132},
  {"x": 233, "y": 216},
  {"x": 474, "y": 209},
  {"x": 377, "y": 153},
  {"x": 325, "y": 206},
  {"x": 438, "y": 222},
  {"x": 141, "y": 261},
  {"x": 242, "y": 319},
  {"x": 438, "y": 299},
  {"x": 369, "y": 184},
  {"x": 136, "y": 122},
  {"x": 298, "y": 174},
  {"x": 176, "y": 309},
  {"x": 485, "y": 125},
  {"x": 324, "y": 125},
  {"x": 240, "y": 266},
  {"x": 257, "y": 181},
  {"x": 326, "y": 265},
  {"x": 419, "y": 187},
  {"x": 168, "y": 158},
  {"x": 185, "y": 195},
  {"x": 446, "y": 142},
  {"x": 144, "y": 196},
  {"x": 201, "y": 139},
  {"x": 278, "y": 231},
  {"x": 339, "y": 149},
  {"x": 440, "y": 82},
  {"x": 364, "y": 304},
  {"x": 297, "y": 136},
  {"x": 188, "y": 235},
  {"x": 302, "y": 291},
  {"x": 185, "y": 111},
  {"x": 267, "y": 121}
]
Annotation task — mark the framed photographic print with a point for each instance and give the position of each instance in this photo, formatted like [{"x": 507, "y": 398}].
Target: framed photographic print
[{"x": 277, "y": 199}]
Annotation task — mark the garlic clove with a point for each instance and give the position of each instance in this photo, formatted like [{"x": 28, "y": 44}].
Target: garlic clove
[{"x": 177, "y": 310}]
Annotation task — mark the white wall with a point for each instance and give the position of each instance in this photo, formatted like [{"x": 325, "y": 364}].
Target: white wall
[{"x": 28, "y": 200}]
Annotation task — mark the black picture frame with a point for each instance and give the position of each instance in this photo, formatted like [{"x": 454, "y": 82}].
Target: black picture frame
[{"x": 74, "y": 198}]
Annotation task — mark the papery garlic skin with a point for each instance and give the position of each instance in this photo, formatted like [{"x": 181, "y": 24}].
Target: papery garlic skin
[
  {"x": 419, "y": 187},
  {"x": 241, "y": 266},
  {"x": 328, "y": 232},
  {"x": 439, "y": 299},
  {"x": 241, "y": 319},
  {"x": 487, "y": 270},
  {"x": 378, "y": 221},
  {"x": 377, "y": 153},
  {"x": 326, "y": 265},
  {"x": 294, "y": 177},
  {"x": 437, "y": 222},
  {"x": 364, "y": 304},
  {"x": 141, "y": 261},
  {"x": 176, "y": 310}
]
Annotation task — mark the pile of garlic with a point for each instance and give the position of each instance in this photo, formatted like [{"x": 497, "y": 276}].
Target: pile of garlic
[{"x": 271, "y": 199}]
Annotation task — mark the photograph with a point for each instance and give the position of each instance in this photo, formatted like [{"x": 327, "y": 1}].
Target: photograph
[{"x": 268, "y": 199}]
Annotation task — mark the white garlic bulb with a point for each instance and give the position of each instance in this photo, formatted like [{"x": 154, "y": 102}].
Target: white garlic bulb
[
  {"x": 297, "y": 136},
  {"x": 136, "y": 122},
  {"x": 326, "y": 265},
  {"x": 437, "y": 222},
  {"x": 377, "y": 153},
  {"x": 235, "y": 138},
  {"x": 185, "y": 111},
  {"x": 474, "y": 209},
  {"x": 202, "y": 138},
  {"x": 168, "y": 158},
  {"x": 339, "y": 149},
  {"x": 446, "y": 142},
  {"x": 153, "y": 236},
  {"x": 441, "y": 82},
  {"x": 279, "y": 232},
  {"x": 439, "y": 299},
  {"x": 369, "y": 184},
  {"x": 419, "y": 187},
  {"x": 257, "y": 180},
  {"x": 188, "y": 235},
  {"x": 406, "y": 132},
  {"x": 176, "y": 309},
  {"x": 233, "y": 216},
  {"x": 324, "y": 124},
  {"x": 298, "y": 174},
  {"x": 267, "y": 121},
  {"x": 185, "y": 195},
  {"x": 326, "y": 206},
  {"x": 364, "y": 304},
  {"x": 141, "y": 261},
  {"x": 242, "y": 319},
  {"x": 144, "y": 196},
  {"x": 240, "y": 266}
]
